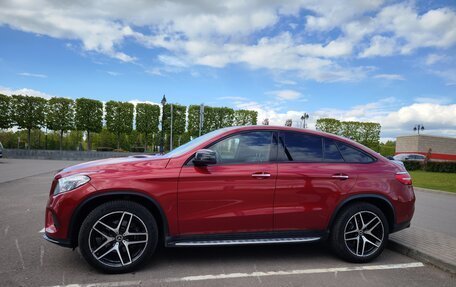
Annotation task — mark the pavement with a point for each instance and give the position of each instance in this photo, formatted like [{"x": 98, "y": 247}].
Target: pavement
[
  {"x": 28, "y": 260},
  {"x": 432, "y": 235}
]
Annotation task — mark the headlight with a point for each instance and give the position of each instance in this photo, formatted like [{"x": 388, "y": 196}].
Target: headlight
[{"x": 71, "y": 182}]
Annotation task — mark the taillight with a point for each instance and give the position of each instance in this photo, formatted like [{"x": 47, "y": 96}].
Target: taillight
[{"x": 404, "y": 177}]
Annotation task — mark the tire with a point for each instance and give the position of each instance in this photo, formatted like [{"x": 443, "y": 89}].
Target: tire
[
  {"x": 118, "y": 236},
  {"x": 359, "y": 233}
]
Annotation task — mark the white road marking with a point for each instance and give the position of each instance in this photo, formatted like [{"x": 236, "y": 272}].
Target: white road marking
[
  {"x": 41, "y": 255},
  {"x": 297, "y": 272},
  {"x": 103, "y": 284},
  {"x": 41, "y": 231},
  {"x": 20, "y": 254},
  {"x": 6, "y": 230},
  {"x": 257, "y": 274}
]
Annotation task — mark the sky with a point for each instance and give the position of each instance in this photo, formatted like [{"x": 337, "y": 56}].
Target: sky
[{"x": 392, "y": 62}]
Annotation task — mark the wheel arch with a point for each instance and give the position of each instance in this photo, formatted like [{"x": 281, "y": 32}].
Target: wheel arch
[
  {"x": 92, "y": 202},
  {"x": 378, "y": 200}
]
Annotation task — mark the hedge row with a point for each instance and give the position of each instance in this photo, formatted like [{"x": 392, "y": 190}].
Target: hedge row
[{"x": 434, "y": 166}]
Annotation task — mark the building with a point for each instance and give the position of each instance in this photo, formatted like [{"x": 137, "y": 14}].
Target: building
[{"x": 442, "y": 148}]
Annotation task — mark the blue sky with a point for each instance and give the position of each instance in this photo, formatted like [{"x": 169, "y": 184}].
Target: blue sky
[{"x": 391, "y": 62}]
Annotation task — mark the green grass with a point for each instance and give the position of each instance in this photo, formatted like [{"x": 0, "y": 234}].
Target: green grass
[{"x": 434, "y": 180}]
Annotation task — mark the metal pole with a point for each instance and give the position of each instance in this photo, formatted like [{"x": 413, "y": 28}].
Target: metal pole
[
  {"x": 201, "y": 118},
  {"x": 171, "y": 132},
  {"x": 162, "y": 140}
]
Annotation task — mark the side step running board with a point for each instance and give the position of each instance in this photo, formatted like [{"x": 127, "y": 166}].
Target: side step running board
[{"x": 244, "y": 241}]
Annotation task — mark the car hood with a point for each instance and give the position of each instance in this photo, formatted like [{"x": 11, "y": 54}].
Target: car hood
[{"x": 119, "y": 164}]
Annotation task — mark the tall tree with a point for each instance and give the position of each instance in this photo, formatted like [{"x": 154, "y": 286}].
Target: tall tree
[
  {"x": 193, "y": 120},
  {"x": 28, "y": 113},
  {"x": 147, "y": 119},
  {"x": 119, "y": 118},
  {"x": 5, "y": 112},
  {"x": 179, "y": 120},
  {"x": 60, "y": 116},
  {"x": 245, "y": 117},
  {"x": 89, "y": 117},
  {"x": 328, "y": 125}
]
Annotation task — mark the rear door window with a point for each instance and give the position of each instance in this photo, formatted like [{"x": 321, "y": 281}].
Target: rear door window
[
  {"x": 300, "y": 147},
  {"x": 332, "y": 153},
  {"x": 353, "y": 155}
]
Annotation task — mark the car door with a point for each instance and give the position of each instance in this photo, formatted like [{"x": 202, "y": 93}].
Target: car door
[
  {"x": 311, "y": 176},
  {"x": 234, "y": 195}
]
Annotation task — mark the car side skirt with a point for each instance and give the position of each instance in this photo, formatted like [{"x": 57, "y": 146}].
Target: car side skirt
[{"x": 245, "y": 238}]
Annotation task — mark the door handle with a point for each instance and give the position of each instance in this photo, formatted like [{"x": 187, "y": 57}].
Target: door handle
[
  {"x": 340, "y": 176},
  {"x": 260, "y": 175}
]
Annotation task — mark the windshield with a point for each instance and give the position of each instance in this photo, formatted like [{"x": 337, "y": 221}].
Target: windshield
[{"x": 194, "y": 143}]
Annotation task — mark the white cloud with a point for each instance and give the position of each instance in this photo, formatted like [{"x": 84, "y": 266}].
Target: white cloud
[
  {"x": 380, "y": 46},
  {"x": 432, "y": 59},
  {"x": 25, "y": 92},
  {"x": 25, "y": 74},
  {"x": 396, "y": 77},
  {"x": 433, "y": 100},
  {"x": 220, "y": 33},
  {"x": 285, "y": 94},
  {"x": 114, "y": 74}
]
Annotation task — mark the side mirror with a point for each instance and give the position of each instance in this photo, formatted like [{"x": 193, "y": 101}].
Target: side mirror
[{"x": 205, "y": 157}]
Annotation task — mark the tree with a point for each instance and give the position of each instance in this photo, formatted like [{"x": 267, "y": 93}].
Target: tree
[
  {"x": 179, "y": 120},
  {"x": 370, "y": 135},
  {"x": 147, "y": 119},
  {"x": 365, "y": 133},
  {"x": 245, "y": 117},
  {"x": 265, "y": 122},
  {"x": 119, "y": 118},
  {"x": 193, "y": 120},
  {"x": 5, "y": 112},
  {"x": 89, "y": 117},
  {"x": 28, "y": 113},
  {"x": 328, "y": 125},
  {"x": 289, "y": 123},
  {"x": 60, "y": 116}
]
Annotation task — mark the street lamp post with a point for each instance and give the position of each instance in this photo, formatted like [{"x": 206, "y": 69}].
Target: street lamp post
[
  {"x": 162, "y": 140},
  {"x": 304, "y": 117},
  {"x": 418, "y": 128}
]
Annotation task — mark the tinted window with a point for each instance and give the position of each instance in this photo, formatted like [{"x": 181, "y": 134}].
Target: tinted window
[
  {"x": 300, "y": 147},
  {"x": 332, "y": 153},
  {"x": 244, "y": 148},
  {"x": 352, "y": 154}
]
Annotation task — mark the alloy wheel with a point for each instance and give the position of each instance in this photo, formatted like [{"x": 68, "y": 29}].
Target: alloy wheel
[
  {"x": 118, "y": 239},
  {"x": 364, "y": 233}
]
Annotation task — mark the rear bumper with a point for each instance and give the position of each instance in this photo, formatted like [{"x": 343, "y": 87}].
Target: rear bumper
[
  {"x": 400, "y": 226},
  {"x": 64, "y": 243}
]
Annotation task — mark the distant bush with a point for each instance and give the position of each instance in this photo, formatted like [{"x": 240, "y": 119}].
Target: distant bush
[
  {"x": 413, "y": 165},
  {"x": 137, "y": 149},
  {"x": 433, "y": 166},
  {"x": 441, "y": 166},
  {"x": 103, "y": 148}
]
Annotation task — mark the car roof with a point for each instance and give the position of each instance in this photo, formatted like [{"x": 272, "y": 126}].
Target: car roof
[{"x": 301, "y": 130}]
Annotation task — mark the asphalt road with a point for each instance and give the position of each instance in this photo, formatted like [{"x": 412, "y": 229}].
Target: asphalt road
[
  {"x": 435, "y": 211},
  {"x": 28, "y": 260}
]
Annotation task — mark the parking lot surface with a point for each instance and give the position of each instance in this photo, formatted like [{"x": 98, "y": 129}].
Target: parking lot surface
[{"x": 28, "y": 260}]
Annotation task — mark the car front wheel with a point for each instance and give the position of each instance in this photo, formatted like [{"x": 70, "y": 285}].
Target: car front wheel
[
  {"x": 359, "y": 233},
  {"x": 118, "y": 236}
]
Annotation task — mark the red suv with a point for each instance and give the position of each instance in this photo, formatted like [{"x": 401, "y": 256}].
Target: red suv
[{"x": 238, "y": 185}]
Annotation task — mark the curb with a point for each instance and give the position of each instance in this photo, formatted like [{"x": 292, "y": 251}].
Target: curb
[
  {"x": 434, "y": 190},
  {"x": 422, "y": 256}
]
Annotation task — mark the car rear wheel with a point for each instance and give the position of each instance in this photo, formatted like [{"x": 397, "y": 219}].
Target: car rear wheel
[
  {"x": 118, "y": 236},
  {"x": 359, "y": 233}
]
